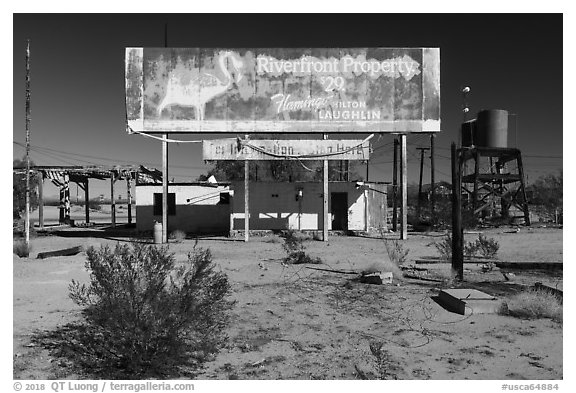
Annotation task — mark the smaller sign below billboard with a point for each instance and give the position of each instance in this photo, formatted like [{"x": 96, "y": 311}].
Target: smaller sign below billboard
[{"x": 262, "y": 149}]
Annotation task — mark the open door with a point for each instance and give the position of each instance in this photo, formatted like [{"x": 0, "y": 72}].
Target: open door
[{"x": 339, "y": 210}]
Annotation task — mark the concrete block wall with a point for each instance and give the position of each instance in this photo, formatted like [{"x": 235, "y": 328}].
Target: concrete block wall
[
  {"x": 275, "y": 206},
  {"x": 198, "y": 209}
]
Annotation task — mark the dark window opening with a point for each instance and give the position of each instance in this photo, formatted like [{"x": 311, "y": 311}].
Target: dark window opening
[
  {"x": 224, "y": 198},
  {"x": 158, "y": 204}
]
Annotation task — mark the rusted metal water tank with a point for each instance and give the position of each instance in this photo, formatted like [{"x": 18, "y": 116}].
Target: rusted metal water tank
[
  {"x": 469, "y": 133},
  {"x": 492, "y": 128}
]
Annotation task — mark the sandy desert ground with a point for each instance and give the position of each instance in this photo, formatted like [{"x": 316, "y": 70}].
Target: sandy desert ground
[{"x": 291, "y": 322}]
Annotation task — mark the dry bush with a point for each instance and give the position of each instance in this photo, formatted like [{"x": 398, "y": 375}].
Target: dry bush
[
  {"x": 396, "y": 252},
  {"x": 273, "y": 239},
  {"x": 487, "y": 246},
  {"x": 533, "y": 304},
  {"x": 21, "y": 248},
  {"x": 178, "y": 236},
  {"x": 445, "y": 247},
  {"x": 143, "y": 316},
  {"x": 295, "y": 249},
  {"x": 384, "y": 266},
  {"x": 397, "y": 257},
  {"x": 385, "y": 366},
  {"x": 483, "y": 246}
]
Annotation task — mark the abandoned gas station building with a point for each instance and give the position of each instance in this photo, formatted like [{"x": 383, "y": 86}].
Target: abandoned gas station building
[{"x": 201, "y": 208}]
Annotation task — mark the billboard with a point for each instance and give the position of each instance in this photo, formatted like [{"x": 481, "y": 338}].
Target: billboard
[
  {"x": 283, "y": 90},
  {"x": 262, "y": 149}
]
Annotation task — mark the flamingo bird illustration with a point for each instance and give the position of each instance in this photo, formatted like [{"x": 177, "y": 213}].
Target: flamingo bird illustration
[{"x": 201, "y": 88}]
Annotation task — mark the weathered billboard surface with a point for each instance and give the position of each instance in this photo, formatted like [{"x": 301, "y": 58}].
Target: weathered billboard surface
[
  {"x": 264, "y": 149},
  {"x": 283, "y": 90}
]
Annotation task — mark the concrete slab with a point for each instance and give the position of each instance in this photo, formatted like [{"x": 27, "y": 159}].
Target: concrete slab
[{"x": 468, "y": 301}]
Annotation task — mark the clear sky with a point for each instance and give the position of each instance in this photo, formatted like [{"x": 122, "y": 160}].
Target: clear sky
[{"x": 510, "y": 61}]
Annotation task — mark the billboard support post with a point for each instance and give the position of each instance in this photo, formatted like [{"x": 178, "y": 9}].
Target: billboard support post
[
  {"x": 395, "y": 187},
  {"x": 165, "y": 188},
  {"x": 41, "y": 200},
  {"x": 325, "y": 197},
  {"x": 112, "y": 204},
  {"x": 403, "y": 190},
  {"x": 87, "y": 201},
  {"x": 246, "y": 200},
  {"x": 432, "y": 180},
  {"x": 129, "y": 195}
]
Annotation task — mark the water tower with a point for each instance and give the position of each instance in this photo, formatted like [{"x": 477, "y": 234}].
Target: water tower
[{"x": 492, "y": 173}]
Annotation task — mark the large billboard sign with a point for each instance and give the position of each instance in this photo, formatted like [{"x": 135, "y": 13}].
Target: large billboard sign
[
  {"x": 282, "y": 90},
  {"x": 263, "y": 149}
]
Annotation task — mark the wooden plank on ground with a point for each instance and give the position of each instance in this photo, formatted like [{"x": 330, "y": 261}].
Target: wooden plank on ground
[{"x": 60, "y": 253}]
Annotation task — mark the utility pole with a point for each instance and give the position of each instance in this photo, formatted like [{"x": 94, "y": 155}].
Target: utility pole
[
  {"x": 27, "y": 216},
  {"x": 457, "y": 231},
  {"x": 422, "y": 150}
]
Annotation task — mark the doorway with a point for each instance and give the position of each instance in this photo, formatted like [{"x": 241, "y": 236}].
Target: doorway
[{"x": 339, "y": 210}]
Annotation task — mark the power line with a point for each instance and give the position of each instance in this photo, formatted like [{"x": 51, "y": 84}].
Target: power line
[
  {"x": 67, "y": 154},
  {"x": 541, "y": 156},
  {"x": 435, "y": 169}
]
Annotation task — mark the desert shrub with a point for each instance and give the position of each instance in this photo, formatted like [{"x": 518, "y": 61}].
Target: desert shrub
[
  {"x": 273, "y": 239},
  {"x": 295, "y": 250},
  {"x": 146, "y": 317},
  {"x": 488, "y": 247},
  {"x": 384, "y": 266},
  {"x": 94, "y": 205},
  {"x": 445, "y": 247},
  {"x": 396, "y": 252},
  {"x": 470, "y": 249},
  {"x": 547, "y": 197},
  {"x": 397, "y": 256},
  {"x": 19, "y": 188},
  {"x": 21, "y": 248},
  {"x": 533, "y": 304},
  {"x": 177, "y": 236},
  {"x": 384, "y": 365},
  {"x": 483, "y": 246}
]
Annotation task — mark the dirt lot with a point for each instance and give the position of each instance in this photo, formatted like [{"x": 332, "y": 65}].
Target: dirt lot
[{"x": 291, "y": 322}]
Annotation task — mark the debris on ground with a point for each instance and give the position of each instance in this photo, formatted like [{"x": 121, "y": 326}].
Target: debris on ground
[
  {"x": 61, "y": 253},
  {"x": 377, "y": 278}
]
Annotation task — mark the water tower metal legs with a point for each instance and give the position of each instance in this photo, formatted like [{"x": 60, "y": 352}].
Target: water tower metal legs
[
  {"x": 523, "y": 190},
  {"x": 487, "y": 187}
]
